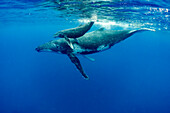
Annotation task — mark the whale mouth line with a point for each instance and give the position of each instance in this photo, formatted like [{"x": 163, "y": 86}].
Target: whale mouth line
[
  {"x": 42, "y": 50},
  {"x": 37, "y": 49}
]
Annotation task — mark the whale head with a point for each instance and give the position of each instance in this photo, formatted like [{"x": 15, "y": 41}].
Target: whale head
[
  {"x": 59, "y": 34},
  {"x": 51, "y": 46}
]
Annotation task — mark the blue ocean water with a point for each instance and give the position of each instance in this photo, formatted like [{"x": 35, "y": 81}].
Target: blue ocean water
[{"x": 131, "y": 77}]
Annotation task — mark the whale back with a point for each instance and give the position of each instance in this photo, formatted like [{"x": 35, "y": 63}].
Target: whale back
[{"x": 98, "y": 38}]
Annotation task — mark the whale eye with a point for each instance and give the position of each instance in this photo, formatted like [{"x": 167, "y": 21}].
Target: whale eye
[
  {"x": 61, "y": 35},
  {"x": 58, "y": 47}
]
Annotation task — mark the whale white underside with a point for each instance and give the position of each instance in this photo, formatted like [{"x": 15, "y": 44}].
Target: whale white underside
[{"x": 78, "y": 49}]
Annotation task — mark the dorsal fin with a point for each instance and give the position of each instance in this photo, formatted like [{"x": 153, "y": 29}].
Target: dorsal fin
[
  {"x": 101, "y": 29},
  {"x": 80, "y": 25}
]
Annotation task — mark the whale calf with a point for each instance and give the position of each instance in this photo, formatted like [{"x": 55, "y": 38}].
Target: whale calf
[
  {"x": 89, "y": 43},
  {"x": 74, "y": 32}
]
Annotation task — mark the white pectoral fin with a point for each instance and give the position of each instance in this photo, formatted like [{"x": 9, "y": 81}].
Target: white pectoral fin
[
  {"x": 89, "y": 58},
  {"x": 68, "y": 42},
  {"x": 71, "y": 45}
]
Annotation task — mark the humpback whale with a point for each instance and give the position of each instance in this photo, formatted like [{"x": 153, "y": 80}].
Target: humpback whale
[
  {"x": 89, "y": 43},
  {"x": 74, "y": 32}
]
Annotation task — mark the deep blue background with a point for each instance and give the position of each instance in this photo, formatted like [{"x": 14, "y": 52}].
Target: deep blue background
[{"x": 131, "y": 77}]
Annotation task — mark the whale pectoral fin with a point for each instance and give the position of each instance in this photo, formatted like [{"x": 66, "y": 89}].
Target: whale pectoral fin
[
  {"x": 76, "y": 61},
  {"x": 76, "y": 41},
  {"x": 68, "y": 42},
  {"x": 89, "y": 58}
]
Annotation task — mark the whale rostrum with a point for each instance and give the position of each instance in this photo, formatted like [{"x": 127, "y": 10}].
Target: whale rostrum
[{"x": 89, "y": 43}]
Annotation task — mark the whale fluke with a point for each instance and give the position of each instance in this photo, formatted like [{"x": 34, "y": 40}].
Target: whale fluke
[{"x": 89, "y": 58}]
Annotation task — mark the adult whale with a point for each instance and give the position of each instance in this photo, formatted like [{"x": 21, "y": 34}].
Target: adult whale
[
  {"x": 89, "y": 43},
  {"x": 74, "y": 32}
]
